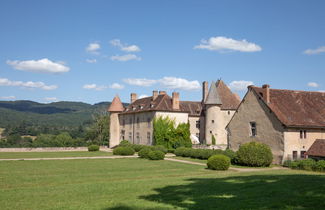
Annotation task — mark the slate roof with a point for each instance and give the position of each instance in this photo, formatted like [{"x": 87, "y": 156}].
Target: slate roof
[
  {"x": 116, "y": 105},
  {"x": 317, "y": 148},
  {"x": 163, "y": 102},
  {"x": 296, "y": 108},
  {"x": 220, "y": 94}
]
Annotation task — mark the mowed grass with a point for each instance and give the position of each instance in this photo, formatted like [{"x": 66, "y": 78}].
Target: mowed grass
[
  {"x": 13, "y": 155},
  {"x": 143, "y": 184}
]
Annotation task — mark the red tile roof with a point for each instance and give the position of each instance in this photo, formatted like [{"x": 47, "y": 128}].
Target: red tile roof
[
  {"x": 317, "y": 148},
  {"x": 116, "y": 105},
  {"x": 296, "y": 108},
  {"x": 229, "y": 99}
]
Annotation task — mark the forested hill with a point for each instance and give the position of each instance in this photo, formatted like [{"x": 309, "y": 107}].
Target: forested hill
[{"x": 57, "y": 114}]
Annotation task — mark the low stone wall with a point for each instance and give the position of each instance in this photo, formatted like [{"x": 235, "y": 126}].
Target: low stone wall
[
  {"x": 202, "y": 146},
  {"x": 51, "y": 149}
]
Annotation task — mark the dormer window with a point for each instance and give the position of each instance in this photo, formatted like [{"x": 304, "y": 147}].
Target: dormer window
[
  {"x": 133, "y": 108},
  {"x": 151, "y": 105},
  {"x": 141, "y": 107}
]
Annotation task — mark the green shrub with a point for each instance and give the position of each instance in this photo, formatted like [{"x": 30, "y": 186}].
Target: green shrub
[
  {"x": 93, "y": 148},
  {"x": 170, "y": 150},
  {"x": 232, "y": 155},
  {"x": 179, "y": 151},
  {"x": 306, "y": 164},
  {"x": 144, "y": 152},
  {"x": 160, "y": 148},
  {"x": 138, "y": 147},
  {"x": 294, "y": 165},
  {"x": 287, "y": 163},
  {"x": 156, "y": 155},
  {"x": 213, "y": 140},
  {"x": 218, "y": 162},
  {"x": 123, "y": 151},
  {"x": 254, "y": 154},
  {"x": 187, "y": 152},
  {"x": 125, "y": 143},
  {"x": 319, "y": 166}
]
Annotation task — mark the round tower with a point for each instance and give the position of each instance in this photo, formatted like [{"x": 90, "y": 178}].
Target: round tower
[{"x": 114, "y": 109}]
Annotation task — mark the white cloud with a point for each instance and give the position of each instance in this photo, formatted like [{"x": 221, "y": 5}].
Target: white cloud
[
  {"x": 116, "y": 86},
  {"x": 91, "y": 60},
  {"x": 94, "y": 87},
  {"x": 322, "y": 91},
  {"x": 39, "y": 66},
  {"x": 126, "y": 57},
  {"x": 315, "y": 51},
  {"x": 143, "y": 96},
  {"x": 240, "y": 85},
  {"x": 125, "y": 47},
  {"x": 140, "y": 82},
  {"x": 8, "y": 97},
  {"x": 29, "y": 84},
  {"x": 220, "y": 43},
  {"x": 313, "y": 84},
  {"x": 51, "y": 99},
  {"x": 93, "y": 48},
  {"x": 179, "y": 83}
]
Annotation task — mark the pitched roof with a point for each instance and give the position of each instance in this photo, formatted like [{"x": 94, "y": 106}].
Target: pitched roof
[
  {"x": 163, "y": 102},
  {"x": 296, "y": 108},
  {"x": 116, "y": 105},
  {"x": 220, "y": 94},
  {"x": 317, "y": 148}
]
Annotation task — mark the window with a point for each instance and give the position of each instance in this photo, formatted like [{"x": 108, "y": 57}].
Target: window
[
  {"x": 138, "y": 122},
  {"x": 303, "y": 134},
  {"x": 294, "y": 155},
  {"x": 253, "y": 128},
  {"x": 122, "y": 135},
  {"x": 138, "y": 138},
  {"x": 212, "y": 121},
  {"x": 210, "y": 131},
  {"x": 149, "y": 122},
  {"x": 148, "y": 138},
  {"x": 130, "y": 136},
  {"x": 197, "y": 124},
  {"x": 228, "y": 112},
  {"x": 302, "y": 154}
]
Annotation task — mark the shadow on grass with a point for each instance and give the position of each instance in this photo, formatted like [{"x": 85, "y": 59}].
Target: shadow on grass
[{"x": 245, "y": 192}]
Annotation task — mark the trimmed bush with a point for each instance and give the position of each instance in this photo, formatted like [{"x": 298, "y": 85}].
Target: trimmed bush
[
  {"x": 123, "y": 151},
  {"x": 306, "y": 164},
  {"x": 179, "y": 151},
  {"x": 319, "y": 166},
  {"x": 287, "y": 163},
  {"x": 232, "y": 155},
  {"x": 144, "y": 152},
  {"x": 93, "y": 148},
  {"x": 218, "y": 162},
  {"x": 254, "y": 154},
  {"x": 160, "y": 148},
  {"x": 294, "y": 165},
  {"x": 138, "y": 147},
  {"x": 170, "y": 150},
  {"x": 156, "y": 155},
  {"x": 125, "y": 143}
]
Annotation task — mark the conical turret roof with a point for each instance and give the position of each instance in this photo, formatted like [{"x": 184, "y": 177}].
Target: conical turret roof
[
  {"x": 116, "y": 105},
  {"x": 213, "y": 95}
]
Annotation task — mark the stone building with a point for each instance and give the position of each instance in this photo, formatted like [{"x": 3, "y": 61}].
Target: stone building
[
  {"x": 206, "y": 118},
  {"x": 288, "y": 121}
]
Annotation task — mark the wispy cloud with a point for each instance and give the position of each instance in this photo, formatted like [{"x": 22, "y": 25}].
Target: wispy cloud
[
  {"x": 143, "y": 96},
  {"x": 116, "y": 86},
  {"x": 224, "y": 44},
  {"x": 313, "y": 84},
  {"x": 318, "y": 50},
  {"x": 51, "y": 99},
  {"x": 240, "y": 85},
  {"x": 29, "y": 84},
  {"x": 103, "y": 87},
  {"x": 125, "y": 47},
  {"x": 91, "y": 60},
  {"x": 126, "y": 57},
  {"x": 93, "y": 48},
  {"x": 8, "y": 97},
  {"x": 39, "y": 66},
  {"x": 165, "y": 82}
]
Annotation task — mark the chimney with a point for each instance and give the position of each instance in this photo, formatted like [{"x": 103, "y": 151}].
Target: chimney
[
  {"x": 133, "y": 97},
  {"x": 205, "y": 90},
  {"x": 154, "y": 95},
  {"x": 175, "y": 101},
  {"x": 162, "y": 92},
  {"x": 266, "y": 89}
]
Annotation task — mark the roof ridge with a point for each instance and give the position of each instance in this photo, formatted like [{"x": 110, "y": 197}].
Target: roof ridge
[{"x": 291, "y": 90}]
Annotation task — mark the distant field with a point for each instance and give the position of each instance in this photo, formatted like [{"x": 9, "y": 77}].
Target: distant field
[
  {"x": 10, "y": 155},
  {"x": 131, "y": 184}
]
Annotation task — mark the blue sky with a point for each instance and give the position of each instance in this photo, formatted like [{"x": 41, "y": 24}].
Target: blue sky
[{"x": 92, "y": 50}]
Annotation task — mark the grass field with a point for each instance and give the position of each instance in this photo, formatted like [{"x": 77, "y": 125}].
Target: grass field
[
  {"x": 12, "y": 155},
  {"x": 143, "y": 184}
]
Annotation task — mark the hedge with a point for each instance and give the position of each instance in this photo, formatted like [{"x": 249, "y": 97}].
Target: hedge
[
  {"x": 218, "y": 162},
  {"x": 203, "y": 154},
  {"x": 143, "y": 153},
  {"x": 156, "y": 155},
  {"x": 306, "y": 164},
  {"x": 254, "y": 154},
  {"x": 93, "y": 148},
  {"x": 123, "y": 151},
  {"x": 125, "y": 143}
]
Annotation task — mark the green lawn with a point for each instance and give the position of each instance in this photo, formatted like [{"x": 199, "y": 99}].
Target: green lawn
[
  {"x": 143, "y": 184},
  {"x": 9, "y": 155}
]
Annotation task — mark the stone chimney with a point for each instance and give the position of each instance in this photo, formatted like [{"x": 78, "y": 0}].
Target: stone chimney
[
  {"x": 133, "y": 97},
  {"x": 266, "y": 89},
  {"x": 162, "y": 92},
  {"x": 154, "y": 95},
  {"x": 175, "y": 101},
  {"x": 205, "y": 90}
]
